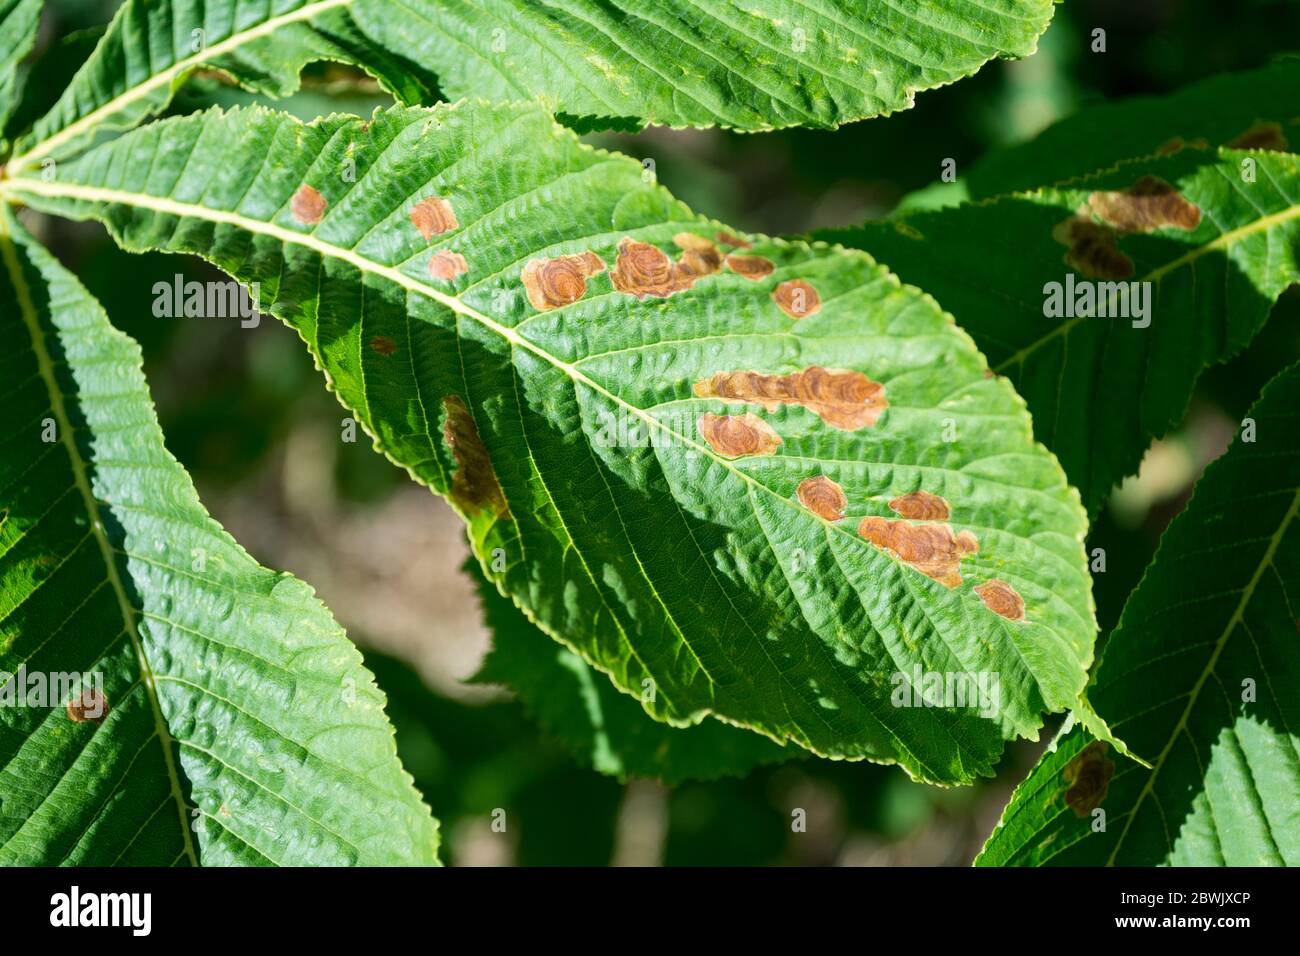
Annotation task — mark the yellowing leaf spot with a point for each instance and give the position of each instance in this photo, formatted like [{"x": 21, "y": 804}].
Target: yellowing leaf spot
[
  {"x": 932, "y": 549},
  {"x": 433, "y": 216},
  {"x": 822, "y": 497},
  {"x": 551, "y": 283},
  {"x": 735, "y": 436},
  {"x": 307, "y": 205},
  {"x": 842, "y": 399}
]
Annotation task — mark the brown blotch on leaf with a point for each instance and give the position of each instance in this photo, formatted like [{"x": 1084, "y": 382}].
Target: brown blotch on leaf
[
  {"x": 738, "y": 435},
  {"x": 922, "y": 506},
  {"x": 307, "y": 205},
  {"x": 642, "y": 269},
  {"x": 1092, "y": 249},
  {"x": 842, "y": 399},
  {"x": 1001, "y": 598},
  {"x": 551, "y": 283},
  {"x": 446, "y": 265},
  {"x": 699, "y": 256},
  {"x": 932, "y": 549},
  {"x": 433, "y": 216},
  {"x": 797, "y": 298},
  {"x": 90, "y": 704},
  {"x": 1261, "y": 136},
  {"x": 474, "y": 486},
  {"x": 1177, "y": 144},
  {"x": 822, "y": 497},
  {"x": 1089, "y": 775},
  {"x": 1149, "y": 204},
  {"x": 383, "y": 345},
  {"x": 730, "y": 239},
  {"x": 753, "y": 268}
]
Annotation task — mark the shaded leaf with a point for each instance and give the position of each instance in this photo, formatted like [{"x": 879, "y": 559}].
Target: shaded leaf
[{"x": 18, "y": 22}]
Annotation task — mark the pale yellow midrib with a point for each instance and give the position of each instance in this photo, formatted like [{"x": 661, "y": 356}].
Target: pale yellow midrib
[
  {"x": 31, "y": 319},
  {"x": 1237, "y": 616},
  {"x": 1222, "y": 241},
  {"x": 138, "y": 92}
]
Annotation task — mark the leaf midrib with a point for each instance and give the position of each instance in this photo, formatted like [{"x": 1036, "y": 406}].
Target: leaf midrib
[
  {"x": 30, "y": 316},
  {"x": 141, "y": 90}
]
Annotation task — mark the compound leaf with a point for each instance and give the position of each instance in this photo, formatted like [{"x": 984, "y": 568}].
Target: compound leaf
[
  {"x": 164, "y": 700},
  {"x": 1200, "y": 677},
  {"x": 761, "y": 475}
]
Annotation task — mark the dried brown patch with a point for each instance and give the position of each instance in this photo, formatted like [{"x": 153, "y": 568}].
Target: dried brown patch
[
  {"x": 383, "y": 345},
  {"x": 730, "y": 239},
  {"x": 737, "y": 435},
  {"x": 433, "y": 216},
  {"x": 447, "y": 265},
  {"x": 822, "y": 497},
  {"x": 551, "y": 283},
  {"x": 932, "y": 549},
  {"x": 1088, "y": 775},
  {"x": 844, "y": 400},
  {"x": 642, "y": 269},
  {"x": 91, "y": 704},
  {"x": 1092, "y": 249},
  {"x": 1149, "y": 204},
  {"x": 1001, "y": 598},
  {"x": 753, "y": 268},
  {"x": 1177, "y": 144},
  {"x": 474, "y": 486},
  {"x": 307, "y": 205},
  {"x": 921, "y": 506},
  {"x": 1265, "y": 135},
  {"x": 797, "y": 298}
]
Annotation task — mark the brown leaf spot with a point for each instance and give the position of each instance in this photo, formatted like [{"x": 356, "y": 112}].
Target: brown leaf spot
[
  {"x": 932, "y": 549},
  {"x": 738, "y": 435},
  {"x": 797, "y": 298},
  {"x": 383, "y": 345},
  {"x": 1177, "y": 144},
  {"x": 551, "y": 283},
  {"x": 753, "y": 268},
  {"x": 922, "y": 506},
  {"x": 447, "y": 265},
  {"x": 642, "y": 269},
  {"x": 844, "y": 400},
  {"x": 1001, "y": 598},
  {"x": 433, "y": 217},
  {"x": 1092, "y": 250},
  {"x": 474, "y": 486},
  {"x": 307, "y": 205},
  {"x": 730, "y": 239},
  {"x": 1149, "y": 204},
  {"x": 90, "y": 705},
  {"x": 822, "y": 497},
  {"x": 1261, "y": 136},
  {"x": 699, "y": 256},
  {"x": 1088, "y": 775}
]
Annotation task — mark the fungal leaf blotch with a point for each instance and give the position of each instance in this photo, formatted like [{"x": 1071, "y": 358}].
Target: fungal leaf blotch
[
  {"x": 307, "y": 205},
  {"x": 1147, "y": 205},
  {"x": 89, "y": 705},
  {"x": 822, "y": 497},
  {"x": 447, "y": 265},
  {"x": 1088, "y": 775},
  {"x": 642, "y": 269},
  {"x": 1092, "y": 250},
  {"x": 383, "y": 345},
  {"x": 797, "y": 298},
  {"x": 1266, "y": 135},
  {"x": 922, "y": 506},
  {"x": 735, "y": 436},
  {"x": 753, "y": 268},
  {"x": 842, "y": 399},
  {"x": 730, "y": 239},
  {"x": 474, "y": 486},
  {"x": 433, "y": 216},
  {"x": 932, "y": 549},
  {"x": 1001, "y": 598},
  {"x": 551, "y": 283}
]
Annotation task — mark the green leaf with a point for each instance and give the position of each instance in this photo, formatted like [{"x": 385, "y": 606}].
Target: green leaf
[
  {"x": 1259, "y": 108},
  {"x": 1201, "y": 677},
  {"x": 217, "y": 714},
  {"x": 153, "y": 45},
  {"x": 462, "y": 303},
  {"x": 745, "y": 64},
  {"x": 1100, "y": 388},
  {"x": 598, "y": 725},
  {"x": 18, "y": 22}
]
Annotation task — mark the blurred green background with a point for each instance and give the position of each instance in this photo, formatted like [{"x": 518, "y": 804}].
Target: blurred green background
[{"x": 247, "y": 414}]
